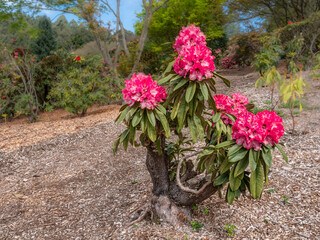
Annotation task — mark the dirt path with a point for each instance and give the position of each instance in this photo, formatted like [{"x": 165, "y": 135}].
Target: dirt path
[{"x": 72, "y": 187}]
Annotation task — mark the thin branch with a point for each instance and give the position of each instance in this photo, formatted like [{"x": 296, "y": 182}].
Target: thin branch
[{"x": 186, "y": 189}]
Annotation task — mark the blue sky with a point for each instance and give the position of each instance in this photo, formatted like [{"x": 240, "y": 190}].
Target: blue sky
[{"x": 128, "y": 10}]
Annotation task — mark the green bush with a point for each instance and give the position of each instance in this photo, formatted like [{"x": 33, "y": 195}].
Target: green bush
[
  {"x": 17, "y": 83},
  {"x": 244, "y": 47},
  {"x": 78, "y": 89}
]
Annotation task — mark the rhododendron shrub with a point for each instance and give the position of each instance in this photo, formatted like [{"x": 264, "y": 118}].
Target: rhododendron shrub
[{"x": 236, "y": 143}]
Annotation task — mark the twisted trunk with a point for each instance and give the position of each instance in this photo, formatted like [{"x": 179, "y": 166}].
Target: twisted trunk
[{"x": 169, "y": 202}]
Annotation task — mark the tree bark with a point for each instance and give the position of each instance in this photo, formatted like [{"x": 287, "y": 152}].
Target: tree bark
[{"x": 169, "y": 202}]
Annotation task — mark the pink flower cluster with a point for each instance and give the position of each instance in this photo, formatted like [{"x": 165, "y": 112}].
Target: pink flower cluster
[
  {"x": 141, "y": 88},
  {"x": 190, "y": 35},
  {"x": 194, "y": 56},
  {"x": 234, "y": 106},
  {"x": 227, "y": 63},
  {"x": 251, "y": 130}
]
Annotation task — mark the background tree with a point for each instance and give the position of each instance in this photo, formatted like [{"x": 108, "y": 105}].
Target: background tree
[
  {"x": 45, "y": 42},
  {"x": 274, "y": 13}
]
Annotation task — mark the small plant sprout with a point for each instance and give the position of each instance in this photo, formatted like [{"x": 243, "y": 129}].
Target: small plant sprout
[
  {"x": 205, "y": 210},
  {"x": 186, "y": 237},
  {"x": 195, "y": 225},
  {"x": 271, "y": 190},
  {"x": 230, "y": 228},
  {"x": 195, "y": 207},
  {"x": 285, "y": 199},
  {"x": 134, "y": 181},
  {"x": 266, "y": 221}
]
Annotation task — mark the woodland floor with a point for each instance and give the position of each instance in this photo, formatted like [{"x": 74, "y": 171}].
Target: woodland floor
[{"x": 60, "y": 180}]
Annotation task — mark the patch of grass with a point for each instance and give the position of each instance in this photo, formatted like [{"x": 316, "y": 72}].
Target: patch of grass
[
  {"x": 195, "y": 225},
  {"x": 230, "y": 228},
  {"x": 134, "y": 181},
  {"x": 255, "y": 110},
  {"x": 295, "y": 105},
  {"x": 296, "y": 112},
  {"x": 186, "y": 237},
  {"x": 267, "y": 102}
]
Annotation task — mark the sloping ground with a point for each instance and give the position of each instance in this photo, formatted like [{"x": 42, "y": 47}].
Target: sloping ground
[{"x": 72, "y": 187}]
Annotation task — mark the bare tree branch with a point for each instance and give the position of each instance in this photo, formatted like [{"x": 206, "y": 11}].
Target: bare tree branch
[{"x": 186, "y": 189}]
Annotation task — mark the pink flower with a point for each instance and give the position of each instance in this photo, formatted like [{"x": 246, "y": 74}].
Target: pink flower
[
  {"x": 103, "y": 62},
  {"x": 16, "y": 53},
  {"x": 189, "y": 35},
  {"x": 194, "y": 57},
  {"x": 15, "y": 56},
  {"x": 3, "y": 97},
  {"x": 141, "y": 88},
  {"x": 272, "y": 127},
  {"x": 2, "y": 67},
  {"x": 289, "y": 22},
  {"x": 195, "y": 61},
  {"x": 13, "y": 40},
  {"x": 106, "y": 68},
  {"x": 32, "y": 60},
  {"x": 251, "y": 130},
  {"x": 78, "y": 58},
  {"x": 234, "y": 106}
]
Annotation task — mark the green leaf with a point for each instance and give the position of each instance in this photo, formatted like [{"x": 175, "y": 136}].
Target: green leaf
[
  {"x": 168, "y": 69},
  {"x": 144, "y": 123},
  {"x": 124, "y": 135},
  {"x": 284, "y": 155},
  {"x": 235, "y": 182},
  {"x": 238, "y": 155},
  {"x": 164, "y": 123},
  {"x": 232, "y": 117},
  {"x": 115, "y": 145},
  {"x": 230, "y": 196},
  {"x": 197, "y": 121},
  {"x": 216, "y": 117},
  {"x": 151, "y": 118},
  {"x": 204, "y": 90},
  {"x": 226, "y": 81},
  {"x": 162, "y": 109},
  {"x": 152, "y": 132},
  {"x": 180, "y": 84},
  {"x": 222, "y": 179},
  {"x": 182, "y": 113},
  {"x": 136, "y": 119},
  {"x": 225, "y": 166},
  {"x": 190, "y": 91},
  {"x": 123, "y": 114},
  {"x": 224, "y": 144},
  {"x": 256, "y": 181},
  {"x": 267, "y": 156},
  {"x": 235, "y": 148},
  {"x": 193, "y": 129},
  {"x": 165, "y": 79},
  {"x": 132, "y": 135},
  {"x": 253, "y": 159},
  {"x": 241, "y": 166},
  {"x": 175, "y": 108}
]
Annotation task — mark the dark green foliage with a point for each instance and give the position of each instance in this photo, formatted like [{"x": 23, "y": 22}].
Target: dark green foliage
[
  {"x": 78, "y": 89},
  {"x": 45, "y": 43}
]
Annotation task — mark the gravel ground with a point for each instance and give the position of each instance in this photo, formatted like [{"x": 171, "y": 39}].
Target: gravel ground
[{"x": 73, "y": 187}]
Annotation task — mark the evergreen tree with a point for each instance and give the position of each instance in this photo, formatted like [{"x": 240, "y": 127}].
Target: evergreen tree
[{"x": 46, "y": 42}]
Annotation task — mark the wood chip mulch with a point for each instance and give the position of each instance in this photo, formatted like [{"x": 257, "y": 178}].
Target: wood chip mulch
[{"x": 69, "y": 185}]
